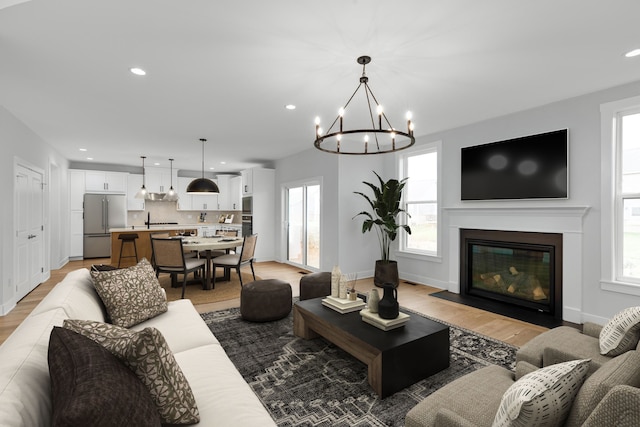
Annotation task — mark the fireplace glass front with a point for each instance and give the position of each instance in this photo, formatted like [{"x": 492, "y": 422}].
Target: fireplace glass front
[{"x": 522, "y": 273}]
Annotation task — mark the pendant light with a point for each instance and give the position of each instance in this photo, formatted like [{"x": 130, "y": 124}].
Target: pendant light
[
  {"x": 142, "y": 193},
  {"x": 202, "y": 185},
  {"x": 171, "y": 195}
]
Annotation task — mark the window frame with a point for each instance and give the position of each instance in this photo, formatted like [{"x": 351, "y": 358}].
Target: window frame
[
  {"x": 402, "y": 159},
  {"x": 612, "y": 198}
]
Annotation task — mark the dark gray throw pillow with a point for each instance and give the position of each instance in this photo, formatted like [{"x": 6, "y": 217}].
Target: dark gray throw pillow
[{"x": 91, "y": 387}]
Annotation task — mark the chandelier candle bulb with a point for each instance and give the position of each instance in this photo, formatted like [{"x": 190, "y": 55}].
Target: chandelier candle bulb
[
  {"x": 341, "y": 114},
  {"x": 379, "y": 109}
]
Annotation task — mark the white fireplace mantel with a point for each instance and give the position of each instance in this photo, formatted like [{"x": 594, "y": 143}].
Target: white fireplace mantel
[{"x": 567, "y": 220}]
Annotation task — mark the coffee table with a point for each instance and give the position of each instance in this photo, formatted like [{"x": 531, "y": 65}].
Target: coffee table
[{"x": 395, "y": 359}]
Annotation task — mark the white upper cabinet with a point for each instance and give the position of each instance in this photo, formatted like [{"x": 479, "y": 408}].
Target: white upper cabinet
[
  {"x": 184, "y": 199},
  {"x": 133, "y": 186},
  {"x": 190, "y": 202},
  {"x": 158, "y": 180},
  {"x": 247, "y": 182},
  {"x": 105, "y": 182},
  {"x": 235, "y": 193},
  {"x": 76, "y": 190}
]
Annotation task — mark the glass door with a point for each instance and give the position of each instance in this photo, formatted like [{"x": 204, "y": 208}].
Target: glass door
[{"x": 303, "y": 225}]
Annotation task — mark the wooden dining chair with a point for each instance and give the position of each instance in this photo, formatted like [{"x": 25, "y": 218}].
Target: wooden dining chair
[
  {"x": 169, "y": 258},
  {"x": 236, "y": 261}
]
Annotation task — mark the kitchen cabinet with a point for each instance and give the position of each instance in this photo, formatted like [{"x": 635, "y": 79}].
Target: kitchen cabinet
[
  {"x": 134, "y": 182},
  {"x": 76, "y": 212},
  {"x": 224, "y": 201},
  {"x": 184, "y": 199},
  {"x": 235, "y": 193},
  {"x": 247, "y": 182},
  {"x": 105, "y": 182},
  {"x": 207, "y": 202},
  {"x": 159, "y": 180},
  {"x": 76, "y": 189},
  {"x": 230, "y": 196},
  {"x": 190, "y": 202},
  {"x": 262, "y": 188}
]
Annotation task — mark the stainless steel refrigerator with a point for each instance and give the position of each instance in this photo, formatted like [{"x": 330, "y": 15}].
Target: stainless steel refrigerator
[{"x": 102, "y": 212}]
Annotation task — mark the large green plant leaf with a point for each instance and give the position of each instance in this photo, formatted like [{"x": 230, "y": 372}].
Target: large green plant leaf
[{"x": 385, "y": 206}]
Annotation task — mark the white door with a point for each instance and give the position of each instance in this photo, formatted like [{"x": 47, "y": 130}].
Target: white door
[{"x": 29, "y": 227}]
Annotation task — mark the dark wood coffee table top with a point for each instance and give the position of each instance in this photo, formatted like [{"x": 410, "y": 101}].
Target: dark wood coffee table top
[{"x": 396, "y": 358}]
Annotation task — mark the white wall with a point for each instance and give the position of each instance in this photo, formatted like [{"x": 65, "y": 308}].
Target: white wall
[
  {"x": 581, "y": 115},
  {"x": 20, "y": 142}
]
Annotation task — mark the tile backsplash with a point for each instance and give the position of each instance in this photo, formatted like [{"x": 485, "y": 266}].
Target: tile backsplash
[{"x": 167, "y": 212}]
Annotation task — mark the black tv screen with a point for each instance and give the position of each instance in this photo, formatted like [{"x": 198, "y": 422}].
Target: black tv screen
[{"x": 530, "y": 167}]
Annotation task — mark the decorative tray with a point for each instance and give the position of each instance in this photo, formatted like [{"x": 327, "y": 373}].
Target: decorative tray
[
  {"x": 384, "y": 324},
  {"x": 343, "y": 305}
]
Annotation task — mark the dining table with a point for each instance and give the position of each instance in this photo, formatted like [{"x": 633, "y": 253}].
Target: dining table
[{"x": 209, "y": 244}]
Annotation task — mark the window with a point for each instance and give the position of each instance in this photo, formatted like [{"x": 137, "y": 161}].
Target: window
[
  {"x": 620, "y": 196},
  {"x": 421, "y": 200},
  {"x": 627, "y": 198}
]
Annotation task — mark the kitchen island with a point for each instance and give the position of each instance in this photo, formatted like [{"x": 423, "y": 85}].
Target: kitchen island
[{"x": 143, "y": 242}]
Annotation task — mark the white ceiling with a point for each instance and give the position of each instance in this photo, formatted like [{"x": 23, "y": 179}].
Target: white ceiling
[{"x": 224, "y": 70}]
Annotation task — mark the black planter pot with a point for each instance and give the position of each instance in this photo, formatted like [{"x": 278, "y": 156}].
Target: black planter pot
[{"x": 386, "y": 272}]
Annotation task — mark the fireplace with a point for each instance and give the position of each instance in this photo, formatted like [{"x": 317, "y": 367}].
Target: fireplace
[{"x": 517, "y": 270}]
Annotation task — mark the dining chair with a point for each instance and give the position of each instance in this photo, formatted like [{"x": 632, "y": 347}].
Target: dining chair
[
  {"x": 170, "y": 258},
  {"x": 236, "y": 260}
]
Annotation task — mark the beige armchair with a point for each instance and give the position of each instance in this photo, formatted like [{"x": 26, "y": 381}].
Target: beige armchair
[{"x": 608, "y": 397}]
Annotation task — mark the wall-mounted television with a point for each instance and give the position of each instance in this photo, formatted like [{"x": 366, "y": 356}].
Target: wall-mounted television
[{"x": 529, "y": 167}]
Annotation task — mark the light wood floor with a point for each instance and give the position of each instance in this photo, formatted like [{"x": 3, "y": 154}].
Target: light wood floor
[{"x": 414, "y": 297}]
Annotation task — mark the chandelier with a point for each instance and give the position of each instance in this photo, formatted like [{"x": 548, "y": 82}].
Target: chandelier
[{"x": 380, "y": 138}]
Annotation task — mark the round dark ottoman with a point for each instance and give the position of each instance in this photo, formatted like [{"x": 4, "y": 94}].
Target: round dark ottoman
[
  {"x": 315, "y": 285},
  {"x": 265, "y": 300}
]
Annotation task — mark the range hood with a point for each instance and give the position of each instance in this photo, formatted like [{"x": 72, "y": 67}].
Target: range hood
[{"x": 157, "y": 197}]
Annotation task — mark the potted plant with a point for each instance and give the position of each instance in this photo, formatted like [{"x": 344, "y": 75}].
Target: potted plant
[{"x": 385, "y": 206}]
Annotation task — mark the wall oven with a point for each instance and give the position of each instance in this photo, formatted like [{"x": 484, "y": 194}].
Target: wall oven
[
  {"x": 247, "y": 225},
  {"x": 247, "y": 205}
]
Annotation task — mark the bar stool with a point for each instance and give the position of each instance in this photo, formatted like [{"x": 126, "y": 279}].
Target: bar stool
[{"x": 128, "y": 238}]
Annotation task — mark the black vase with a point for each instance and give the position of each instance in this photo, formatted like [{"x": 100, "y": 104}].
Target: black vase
[
  {"x": 388, "y": 307},
  {"x": 386, "y": 272}
]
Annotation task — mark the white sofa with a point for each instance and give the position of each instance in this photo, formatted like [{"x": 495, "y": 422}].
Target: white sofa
[{"x": 222, "y": 396}]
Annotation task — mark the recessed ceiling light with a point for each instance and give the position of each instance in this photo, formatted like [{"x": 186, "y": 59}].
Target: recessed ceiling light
[
  {"x": 156, "y": 164},
  {"x": 138, "y": 71},
  {"x": 89, "y": 158},
  {"x": 290, "y": 107},
  {"x": 223, "y": 163},
  {"x": 83, "y": 149},
  {"x": 632, "y": 53},
  {"x": 212, "y": 168}
]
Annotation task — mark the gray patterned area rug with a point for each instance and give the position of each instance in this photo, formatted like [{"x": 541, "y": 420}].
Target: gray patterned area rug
[{"x": 314, "y": 383}]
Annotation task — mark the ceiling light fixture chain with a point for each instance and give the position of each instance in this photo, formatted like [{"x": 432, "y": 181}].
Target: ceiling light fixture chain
[{"x": 332, "y": 141}]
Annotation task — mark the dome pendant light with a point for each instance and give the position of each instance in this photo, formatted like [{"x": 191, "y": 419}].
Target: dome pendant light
[
  {"x": 202, "y": 185},
  {"x": 171, "y": 195},
  {"x": 142, "y": 193}
]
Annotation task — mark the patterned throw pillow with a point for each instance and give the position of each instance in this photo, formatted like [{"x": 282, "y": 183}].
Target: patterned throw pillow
[
  {"x": 91, "y": 387},
  {"x": 621, "y": 333},
  {"x": 130, "y": 295},
  {"x": 543, "y": 397},
  {"x": 146, "y": 352}
]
